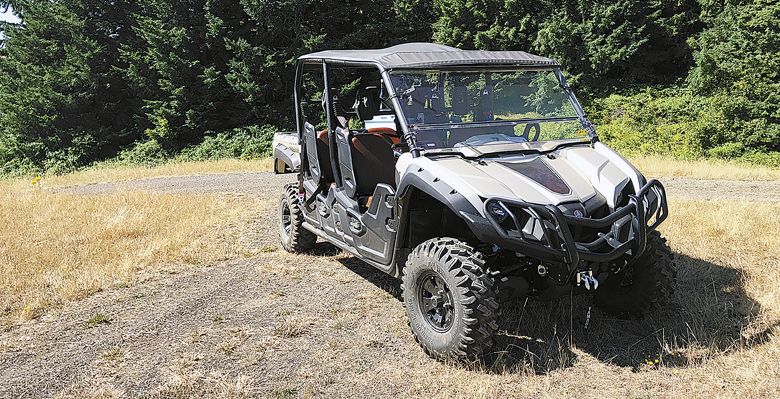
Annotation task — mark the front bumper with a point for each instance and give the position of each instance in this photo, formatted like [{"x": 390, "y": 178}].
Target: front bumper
[{"x": 545, "y": 232}]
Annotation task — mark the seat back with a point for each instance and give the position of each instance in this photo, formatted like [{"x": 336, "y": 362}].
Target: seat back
[
  {"x": 366, "y": 159},
  {"x": 315, "y": 153},
  {"x": 323, "y": 153},
  {"x": 373, "y": 162}
]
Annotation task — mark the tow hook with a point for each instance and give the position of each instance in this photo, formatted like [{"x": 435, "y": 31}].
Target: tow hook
[{"x": 586, "y": 278}]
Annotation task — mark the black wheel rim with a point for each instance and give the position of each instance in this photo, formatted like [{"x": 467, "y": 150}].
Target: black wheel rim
[
  {"x": 436, "y": 303},
  {"x": 286, "y": 218}
]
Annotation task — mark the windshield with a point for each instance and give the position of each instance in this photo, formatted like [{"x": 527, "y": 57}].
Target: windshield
[{"x": 456, "y": 108}]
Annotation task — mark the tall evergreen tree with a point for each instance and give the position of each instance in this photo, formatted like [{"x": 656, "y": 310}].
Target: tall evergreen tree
[
  {"x": 738, "y": 63},
  {"x": 612, "y": 44},
  {"x": 231, "y": 63},
  {"x": 489, "y": 24},
  {"x": 62, "y": 100}
]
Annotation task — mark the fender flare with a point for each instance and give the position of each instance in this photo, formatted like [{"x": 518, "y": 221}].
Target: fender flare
[
  {"x": 441, "y": 191},
  {"x": 288, "y": 156}
]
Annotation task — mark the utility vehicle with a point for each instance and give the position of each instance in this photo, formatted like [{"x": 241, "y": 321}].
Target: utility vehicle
[{"x": 474, "y": 177}]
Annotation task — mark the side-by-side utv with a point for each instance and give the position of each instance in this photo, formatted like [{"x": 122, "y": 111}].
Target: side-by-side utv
[{"x": 474, "y": 177}]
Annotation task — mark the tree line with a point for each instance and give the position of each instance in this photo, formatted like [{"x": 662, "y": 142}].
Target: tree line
[{"x": 91, "y": 80}]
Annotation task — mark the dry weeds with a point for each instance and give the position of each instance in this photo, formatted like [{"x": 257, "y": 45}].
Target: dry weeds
[
  {"x": 717, "y": 338},
  {"x": 58, "y": 247},
  {"x": 703, "y": 169}
]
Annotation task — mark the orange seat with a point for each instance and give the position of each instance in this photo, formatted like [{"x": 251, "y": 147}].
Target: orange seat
[{"x": 388, "y": 133}]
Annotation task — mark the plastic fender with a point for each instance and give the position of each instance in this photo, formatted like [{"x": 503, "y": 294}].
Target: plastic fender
[
  {"x": 292, "y": 159},
  {"x": 637, "y": 179}
]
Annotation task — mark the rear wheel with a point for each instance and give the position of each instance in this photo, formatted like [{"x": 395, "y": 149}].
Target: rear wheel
[
  {"x": 294, "y": 238},
  {"x": 449, "y": 299},
  {"x": 647, "y": 283}
]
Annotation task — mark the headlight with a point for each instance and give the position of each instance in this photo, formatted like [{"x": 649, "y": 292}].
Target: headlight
[
  {"x": 498, "y": 211},
  {"x": 575, "y": 209}
]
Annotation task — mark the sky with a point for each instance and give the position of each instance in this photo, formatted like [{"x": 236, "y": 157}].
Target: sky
[{"x": 9, "y": 16}]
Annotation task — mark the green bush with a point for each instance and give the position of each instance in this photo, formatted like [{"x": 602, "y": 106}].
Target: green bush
[
  {"x": 251, "y": 142},
  {"x": 659, "y": 122},
  {"x": 147, "y": 153},
  {"x": 676, "y": 122}
]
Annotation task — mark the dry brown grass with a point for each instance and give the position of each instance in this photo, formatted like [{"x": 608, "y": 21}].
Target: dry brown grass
[
  {"x": 717, "y": 338},
  {"x": 703, "y": 169},
  {"x": 57, "y": 247}
]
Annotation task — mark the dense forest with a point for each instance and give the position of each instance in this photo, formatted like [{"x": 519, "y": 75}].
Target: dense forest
[{"x": 143, "y": 81}]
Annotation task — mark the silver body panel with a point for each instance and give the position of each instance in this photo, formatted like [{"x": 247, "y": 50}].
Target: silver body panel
[{"x": 586, "y": 170}]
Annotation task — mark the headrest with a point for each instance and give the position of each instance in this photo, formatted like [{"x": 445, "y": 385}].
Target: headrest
[
  {"x": 367, "y": 103},
  {"x": 484, "y": 110},
  {"x": 338, "y": 111},
  {"x": 422, "y": 99}
]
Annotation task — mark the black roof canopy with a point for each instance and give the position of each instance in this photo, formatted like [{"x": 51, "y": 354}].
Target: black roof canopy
[{"x": 428, "y": 55}]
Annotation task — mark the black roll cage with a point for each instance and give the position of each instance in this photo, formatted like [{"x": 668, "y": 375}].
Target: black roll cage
[{"x": 408, "y": 134}]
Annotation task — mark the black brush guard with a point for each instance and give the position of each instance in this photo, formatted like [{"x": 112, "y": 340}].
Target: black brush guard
[{"x": 557, "y": 243}]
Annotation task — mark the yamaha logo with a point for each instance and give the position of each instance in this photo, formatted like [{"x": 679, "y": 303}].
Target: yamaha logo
[{"x": 578, "y": 213}]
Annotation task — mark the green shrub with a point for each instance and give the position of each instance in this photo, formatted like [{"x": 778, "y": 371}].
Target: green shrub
[
  {"x": 761, "y": 158},
  {"x": 678, "y": 123},
  {"x": 660, "y": 122},
  {"x": 727, "y": 151},
  {"x": 252, "y": 142},
  {"x": 147, "y": 153}
]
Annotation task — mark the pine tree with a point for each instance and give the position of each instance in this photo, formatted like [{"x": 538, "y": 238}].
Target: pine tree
[
  {"x": 62, "y": 102},
  {"x": 737, "y": 63}
]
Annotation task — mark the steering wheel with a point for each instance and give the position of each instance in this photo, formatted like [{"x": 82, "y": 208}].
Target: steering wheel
[{"x": 527, "y": 131}]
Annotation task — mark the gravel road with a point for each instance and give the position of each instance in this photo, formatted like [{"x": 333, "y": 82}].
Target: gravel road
[
  {"x": 274, "y": 324},
  {"x": 269, "y": 184}
]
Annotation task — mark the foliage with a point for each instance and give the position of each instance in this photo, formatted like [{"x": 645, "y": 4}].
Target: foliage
[
  {"x": 660, "y": 122},
  {"x": 738, "y": 64},
  {"x": 673, "y": 122},
  {"x": 731, "y": 108},
  {"x": 251, "y": 142},
  {"x": 62, "y": 101},
  {"x": 607, "y": 44},
  {"x": 142, "y": 81}
]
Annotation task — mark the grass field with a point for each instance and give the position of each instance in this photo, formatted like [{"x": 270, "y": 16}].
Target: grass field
[
  {"x": 704, "y": 169},
  {"x": 57, "y": 247},
  {"x": 60, "y": 247},
  {"x": 719, "y": 338}
]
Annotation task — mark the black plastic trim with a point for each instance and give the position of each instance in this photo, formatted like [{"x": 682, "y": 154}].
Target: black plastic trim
[{"x": 557, "y": 243}]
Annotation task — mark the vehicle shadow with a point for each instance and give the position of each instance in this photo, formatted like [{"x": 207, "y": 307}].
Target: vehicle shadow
[
  {"x": 373, "y": 275},
  {"x": 710, "y": 315}
]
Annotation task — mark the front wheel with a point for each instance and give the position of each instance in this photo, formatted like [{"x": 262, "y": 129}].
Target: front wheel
[
  {"x": 294, "y": 238},
  {"x": 646, "y": 283},
  {"x": 450, "y": 300}
]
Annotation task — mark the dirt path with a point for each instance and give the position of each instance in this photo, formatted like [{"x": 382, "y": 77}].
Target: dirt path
[{"x": 279, "y": 325}]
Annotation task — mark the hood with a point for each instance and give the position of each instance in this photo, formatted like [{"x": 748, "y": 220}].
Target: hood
[{"x": 571, "y": 174}]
